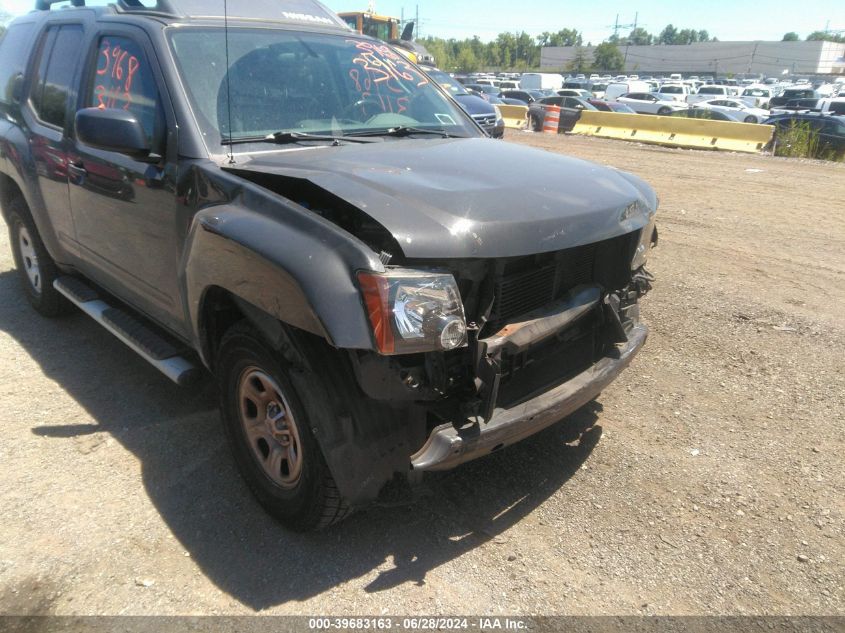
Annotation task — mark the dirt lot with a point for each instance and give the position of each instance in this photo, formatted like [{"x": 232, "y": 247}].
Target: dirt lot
[{"x": 708, "y": 480}]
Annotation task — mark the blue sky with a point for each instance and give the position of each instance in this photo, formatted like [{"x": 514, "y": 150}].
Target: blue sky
[{"x": 726, "y": 19}]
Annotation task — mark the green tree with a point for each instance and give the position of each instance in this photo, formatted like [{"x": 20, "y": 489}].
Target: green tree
[
  {"x": 792, "y": 36},
  {"x": 607, "y": 56},
  {"x": 668, "y": 35},
  {"x": 640, "y": 37},
  {"x": 581, "y": 62},
  {"x": 823, "y": 36},
  {"x": 686, "y": 36},
  {"x": 564, "y": 37},
  {"x": 466, "y": 61}
]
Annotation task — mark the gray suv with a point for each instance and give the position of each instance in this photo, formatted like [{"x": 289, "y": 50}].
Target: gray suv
[{"x": 375, "y": 285}]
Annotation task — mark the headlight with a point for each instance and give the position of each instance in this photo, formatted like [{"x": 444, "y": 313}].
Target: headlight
[
  {"x": 413, "y": 311},
  {"x": 499, "y": 117},
  {"x": 647, "y": 236}
]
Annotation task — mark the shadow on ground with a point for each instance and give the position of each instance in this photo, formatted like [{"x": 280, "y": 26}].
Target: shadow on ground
[{"x": 190, "y": 477}]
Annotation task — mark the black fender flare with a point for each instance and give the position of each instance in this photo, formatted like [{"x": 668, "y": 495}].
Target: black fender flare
[{"x": 298, "y": 270}]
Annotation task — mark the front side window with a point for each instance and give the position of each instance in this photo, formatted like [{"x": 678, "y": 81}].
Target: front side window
[
  {"x": 60, "y": 54},
  {"x": 286, "y": 81},
  {"x": 124, "y": 80}
]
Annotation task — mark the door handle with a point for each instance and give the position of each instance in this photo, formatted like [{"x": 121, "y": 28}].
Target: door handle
[{"x": 77, "y": 169}]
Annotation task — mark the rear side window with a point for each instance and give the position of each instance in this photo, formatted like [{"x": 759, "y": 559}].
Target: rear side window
[
  {"x": 125, "y": 80},
  {"x": 14, "y": 52},
  {"x": 60, "y": 53},
  {"x": 837, "y": 108}
]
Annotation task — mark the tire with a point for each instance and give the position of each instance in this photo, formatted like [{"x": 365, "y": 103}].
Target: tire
[
  {"x": 751, "y": 119},
  {"x": 280, "y": 461},
  {"x": 36, "y": 269},
  {"x": 664, "y": 111}
]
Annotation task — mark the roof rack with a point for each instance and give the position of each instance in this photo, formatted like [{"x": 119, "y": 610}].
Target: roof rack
[
  {"x": 44, "y": 5},
  {"x": 160, "y": 7}
]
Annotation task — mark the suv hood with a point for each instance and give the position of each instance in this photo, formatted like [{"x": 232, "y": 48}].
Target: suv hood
[{"x": 458, "y": 198}]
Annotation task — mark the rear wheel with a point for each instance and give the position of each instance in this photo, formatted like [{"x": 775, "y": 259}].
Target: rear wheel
[
  {"x": 266, "y": 422},
  {"x": 664, "y": 111},
  {"x": 36, "y": 269},
  {"x": 751, "y": 119}
]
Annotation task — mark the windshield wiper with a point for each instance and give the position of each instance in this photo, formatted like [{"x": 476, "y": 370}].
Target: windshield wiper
[
  {"x": 286, "y": 138},
  {"x": 405, "y": 130}
]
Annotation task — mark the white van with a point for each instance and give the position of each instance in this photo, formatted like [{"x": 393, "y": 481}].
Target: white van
[
  {"x": 541, "y": 81},
  {"x": 616, "y": 89}
]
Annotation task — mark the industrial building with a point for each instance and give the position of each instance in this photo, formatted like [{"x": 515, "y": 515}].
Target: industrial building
[{"x": 771, "y": 59}]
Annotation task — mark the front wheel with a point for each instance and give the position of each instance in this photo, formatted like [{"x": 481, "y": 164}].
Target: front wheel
[
  {"x": 270, "y": 436},
  {"x": 751, "y": 119},
  {"x": 36, "y": 269},
  {"x": 664, "y": 111}
]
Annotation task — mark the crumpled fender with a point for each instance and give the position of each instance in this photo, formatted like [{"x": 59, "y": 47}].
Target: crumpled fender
[{"x": 284, "y": 260}]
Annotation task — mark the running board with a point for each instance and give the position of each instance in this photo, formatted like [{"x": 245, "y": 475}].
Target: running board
[{"x": 140, "y": 337}]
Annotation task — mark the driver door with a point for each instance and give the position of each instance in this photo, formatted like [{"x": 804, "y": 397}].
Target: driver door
[{"x": 125, "y": 210}]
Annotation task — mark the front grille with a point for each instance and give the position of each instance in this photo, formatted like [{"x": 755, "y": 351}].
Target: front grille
[
  {"x": 525, "y": 284},
  {"x": 485, "y": 120}
]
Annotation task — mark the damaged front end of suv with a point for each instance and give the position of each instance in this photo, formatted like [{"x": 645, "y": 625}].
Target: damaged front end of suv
[
  {"x": 502, "y": 303},
  {"x": 434, "y": 295}
]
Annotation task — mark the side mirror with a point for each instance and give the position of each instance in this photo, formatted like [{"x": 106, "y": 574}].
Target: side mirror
[{"x": 113, "y": 130}]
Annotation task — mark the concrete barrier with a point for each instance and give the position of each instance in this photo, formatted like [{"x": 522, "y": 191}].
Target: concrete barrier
[
  {"x": 516, "y": 117},
  {"x": 676, "y": 131}
]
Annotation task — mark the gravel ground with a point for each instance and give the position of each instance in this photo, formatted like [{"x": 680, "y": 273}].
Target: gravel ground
[{"x": 708, "y": 480}]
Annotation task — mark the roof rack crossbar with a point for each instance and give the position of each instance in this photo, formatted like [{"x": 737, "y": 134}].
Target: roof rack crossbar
[
  {"x": 160, "y": 6},
  {"x": 44, "y": 5}
]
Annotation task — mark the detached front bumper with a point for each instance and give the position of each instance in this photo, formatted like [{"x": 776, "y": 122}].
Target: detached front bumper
[{"x": 448, "y": 447}]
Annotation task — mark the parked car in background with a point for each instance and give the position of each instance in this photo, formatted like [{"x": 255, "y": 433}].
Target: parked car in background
[
  {"x": 812, "y": 104},
  {"x": 526, "y": 96},
  {"x": 572, "y": 92},
  {"x": 790, "y": 94},
  {"x": 651, "y": 103},
  {"x": 757, "y": 95},
  {"x": 736, "y": 109},
  {"x": 834, "y": 106},
  {"x": 829, "y": 132},
  {"x": 610, "y": 106},
  {"x": 509, "y": 85},
  {"x": 484, "y": 89},
  {"x": 675, "y": 92},
  {"x": 706, "y": 93},
  {"x": 483, "y": 112},
  {"x": 598, "y": 90},
  {"x": 616, "y": 89},
  {"x": 504, "y": 101},
  {"x": 541, "y": 81},
  {"x": 570, "y": 111},
  {"x": 701, "y": 113}
]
